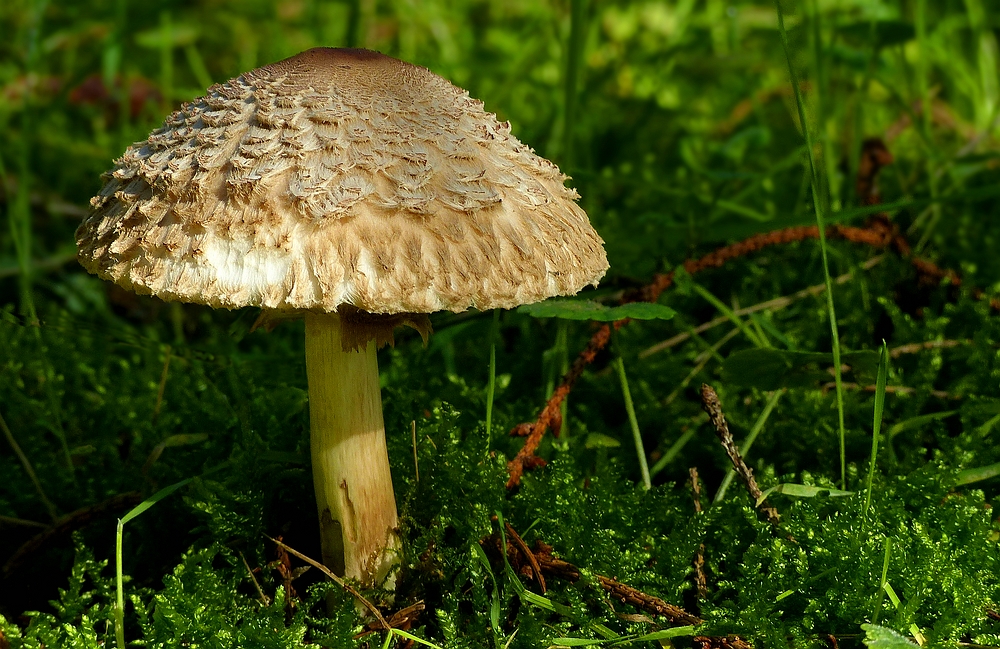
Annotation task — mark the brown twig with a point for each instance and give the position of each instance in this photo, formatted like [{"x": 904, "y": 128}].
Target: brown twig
[
  {"x": 622, "y": 592},
  {"x": 526, "y": 458},
  {"x": 913, "y": 348},
  {"x": 874, "y": 155},
  {"x": 891, "y": 389},
  {"x": 523, "y": 560},
  {"x": 264, "y": 599},
  {"x": 876, "y": 235},
  {"x": 548, "y": 563},
  {"x": 700, "y": 581},
  {"x": 67, "y": 524},
  {"x": 719, "y": 642},
  {"x": 401, "y": 619},
  {"x": 526, "y": 552},
  {"x": 710, "y": 403},
  {"x": 880, "y": 233},
  {"x": 773, "y": 304},
  {"x": 283, "y": 564},
  {"x": 335, "y": 579}
]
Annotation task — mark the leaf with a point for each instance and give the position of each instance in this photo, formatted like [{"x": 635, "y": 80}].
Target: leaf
[
  {"x": 918, "y": 422},
  {"x": 879, "y": 637},
  {"x": 801, "y": 491},
  {"x": 599, "y": 440},
  {"x": 590, "y": 310},
  {"x": 576, "y": 642},
  {"x": 480, "y": 554},
  {"x": 664, "y": 634},
  {"x": 413, "y": 638},
  {"x": 968, "y": 476},
  {"x": 771, "y": 369},
  {"x": 673, "y": 632}
]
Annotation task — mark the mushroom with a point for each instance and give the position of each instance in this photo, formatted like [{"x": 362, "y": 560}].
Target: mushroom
[{"x": 362, "y": 193}]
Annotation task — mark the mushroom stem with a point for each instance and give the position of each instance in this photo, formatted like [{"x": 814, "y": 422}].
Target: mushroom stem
[{"x": 357, "y": 507}]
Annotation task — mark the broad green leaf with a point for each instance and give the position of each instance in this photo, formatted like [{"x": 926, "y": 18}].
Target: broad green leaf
[
  {"x": 801, "y": 491},
  {"x": 880, "y": 637},
  {"x": 589, "y": 310}
]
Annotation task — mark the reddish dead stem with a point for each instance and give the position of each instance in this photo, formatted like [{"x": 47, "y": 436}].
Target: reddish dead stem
[
  {"x": 880, "y": 232},
  {"x": 700, "y": 581},
  {"x": 542, "y": 559}
]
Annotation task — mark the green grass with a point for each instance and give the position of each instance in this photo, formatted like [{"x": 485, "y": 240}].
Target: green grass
[{"x": 686, "y": 126}]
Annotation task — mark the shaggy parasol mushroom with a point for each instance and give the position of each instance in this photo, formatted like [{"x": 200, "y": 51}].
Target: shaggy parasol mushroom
[{"x": 360, "y": 192}]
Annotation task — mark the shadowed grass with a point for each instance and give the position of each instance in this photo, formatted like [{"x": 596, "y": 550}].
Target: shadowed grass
[{"x": 816, "y": 189}]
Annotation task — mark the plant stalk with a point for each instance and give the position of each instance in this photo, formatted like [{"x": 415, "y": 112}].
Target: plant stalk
[
  {"x": 354, "y": 496},
  {"x": 818, "y": 208}
]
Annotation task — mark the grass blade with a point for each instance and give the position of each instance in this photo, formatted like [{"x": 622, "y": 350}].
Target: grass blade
[
  {"x": 726, "y": 311},
  {"x": 818, "y": 208},
  {"x": 976, "y": 474},
  {"x": 119, "y": 535},
  {"x": 574, "y": 56},
  {"x": 633, "y": 423},
  {"x": 883, "y": 371}
]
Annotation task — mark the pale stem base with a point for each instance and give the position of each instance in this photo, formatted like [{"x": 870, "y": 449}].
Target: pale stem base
[{"x": 357, "y": 507}]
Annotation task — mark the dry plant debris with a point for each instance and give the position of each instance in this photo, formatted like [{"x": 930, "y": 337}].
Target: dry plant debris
[
  {"x": 543, "y": 559},
  {"x": 879, "y": 233},
  {"x": 712, "y": 406}
]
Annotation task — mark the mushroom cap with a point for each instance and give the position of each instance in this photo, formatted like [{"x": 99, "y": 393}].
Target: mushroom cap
[{"x": 339, "y": 177}]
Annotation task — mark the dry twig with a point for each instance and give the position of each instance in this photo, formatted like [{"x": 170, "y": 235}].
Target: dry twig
[
  {"x": 67, "y": 524},
  {"x": 710, "y": 403},
  {"x": 401, "y": 619},
  {"x": 526, "y": 552},
  {"x": 700, "y": 582},
  {"x": 891, "y": 389},
  {"x": 773, "y": 304},
  {"x": 335, "y": 579},
  {"x": 526, "y": 458},
  {"x": 878, "y": 236},
  {"x": 880, "y": 233},
  {"x": 719, "y": 642},
  {"x": 914, "y": 348},
  {"x": 547, "y": 563},
  {"x": 527, "y": 562}
]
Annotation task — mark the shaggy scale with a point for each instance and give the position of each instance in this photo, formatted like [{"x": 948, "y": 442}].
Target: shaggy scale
[{"x": 339, "y": 177}]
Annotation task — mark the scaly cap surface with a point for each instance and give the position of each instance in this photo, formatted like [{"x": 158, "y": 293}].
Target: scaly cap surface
[{"x": 339, "y": 177}]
